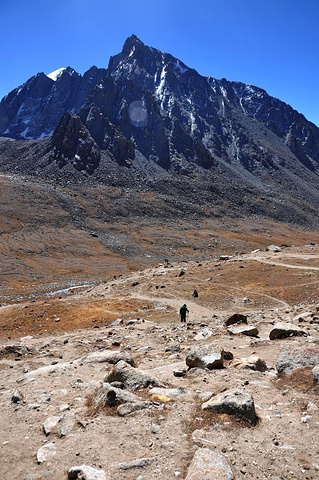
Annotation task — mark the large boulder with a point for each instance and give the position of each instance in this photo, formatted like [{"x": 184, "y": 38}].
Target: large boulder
[
  {"x": 284, "y": 330},
  {"x": 293, "y": 357},
  {"x": 209, "y": 465},
  {"x": 205, "y": 358},
  {"x": 233, "y": 402},
  {"x": 110, "y": 396},
  {"x": 132, "y": 378},
  {"x": 236, "y": 318}
]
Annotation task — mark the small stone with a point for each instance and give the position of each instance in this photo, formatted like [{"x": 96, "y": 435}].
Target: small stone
[
  {"x": 64, "y": 408},
  {"x": 66, "y": 425},
  {"x": 17, "y": 397},
  {"x": 47, "y": 452},
  {"x": 117, "y": 322},
  {"x": 45, "y": 398},
  {"x": 84, "y": 472},
  {"x": 155, "y": 428},
  {"x": 180, "y": 373}
]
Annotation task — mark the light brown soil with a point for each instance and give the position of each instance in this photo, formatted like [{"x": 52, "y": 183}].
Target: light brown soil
[{"x": 266, "y": 286}]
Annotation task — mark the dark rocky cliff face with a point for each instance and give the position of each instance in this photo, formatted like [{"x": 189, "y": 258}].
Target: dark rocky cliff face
[
  {"x": 33, "y": 110},
  {"x": 150, "y": 102},
  {"x": 72, "y": 143}
]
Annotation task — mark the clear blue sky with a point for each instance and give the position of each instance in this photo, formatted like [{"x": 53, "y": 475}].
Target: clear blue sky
[{"x": 273, "y": 44}]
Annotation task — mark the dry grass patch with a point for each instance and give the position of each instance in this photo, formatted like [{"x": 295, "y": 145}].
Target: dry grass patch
[{"x": 301, "y": 379}]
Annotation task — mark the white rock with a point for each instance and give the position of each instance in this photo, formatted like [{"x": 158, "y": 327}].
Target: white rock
[
  {"x": 47, "y": 452},
  {"x": 84, "y": 472},
  {"x": 204, "y": 334},
  {"x": 50, "y": 424}
]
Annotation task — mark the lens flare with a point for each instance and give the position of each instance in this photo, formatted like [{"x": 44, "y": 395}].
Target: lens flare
[{"x": 138, "y": 114}]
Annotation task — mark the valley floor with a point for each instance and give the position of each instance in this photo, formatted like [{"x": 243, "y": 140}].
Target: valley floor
[{"x": 53, "y": 351}]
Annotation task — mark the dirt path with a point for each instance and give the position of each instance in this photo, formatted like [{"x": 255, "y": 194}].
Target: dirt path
[
  {"x": 269, "y": 261},
  {"x": 176, "y": 303}
]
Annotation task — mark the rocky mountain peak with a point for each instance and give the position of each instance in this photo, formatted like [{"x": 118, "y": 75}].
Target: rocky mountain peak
[
  {"x": 130, "y": 43},
  {"x": 148, "y": 108},
  {"x": 72, "y": 143}
]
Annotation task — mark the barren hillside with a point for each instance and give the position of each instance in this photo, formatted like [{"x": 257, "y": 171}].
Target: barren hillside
[{"x": 57, "y": 351}]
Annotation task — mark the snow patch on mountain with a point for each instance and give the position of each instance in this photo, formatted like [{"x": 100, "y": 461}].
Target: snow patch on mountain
[{"x": 56, "y": 74}]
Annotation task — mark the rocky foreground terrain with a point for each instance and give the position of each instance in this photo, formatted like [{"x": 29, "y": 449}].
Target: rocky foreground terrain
[{"x": 106, "y": 382}]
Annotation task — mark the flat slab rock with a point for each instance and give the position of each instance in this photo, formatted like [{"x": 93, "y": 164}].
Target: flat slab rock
[
  {"x": 284, "y": 330},
  {"x": 128, "y": 408},
  {"x": 84, "y": 472},
  {"x": 138, "y": 463},
  {"x": 233, "y": 402},
  {"x": 208, "y": 465},
  {"x": 248, "y": 330},
  {"x": 205, "y": 358},
  {"x": 293, "y": 357},
  {"x": 109, "y": 356}
]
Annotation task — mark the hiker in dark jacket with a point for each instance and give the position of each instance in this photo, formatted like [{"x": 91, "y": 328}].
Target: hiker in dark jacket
[{"x": 183, "y": 310}]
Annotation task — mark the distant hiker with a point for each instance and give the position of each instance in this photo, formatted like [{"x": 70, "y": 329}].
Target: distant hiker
[
  {"x": 165, "y": 263},
  {"x": 195, "y": 293},
  {"x": 183, "y": 310}
]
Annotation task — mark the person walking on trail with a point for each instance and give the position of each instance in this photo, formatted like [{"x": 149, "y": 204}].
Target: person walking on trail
[{"x": 183, "y": 310}]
